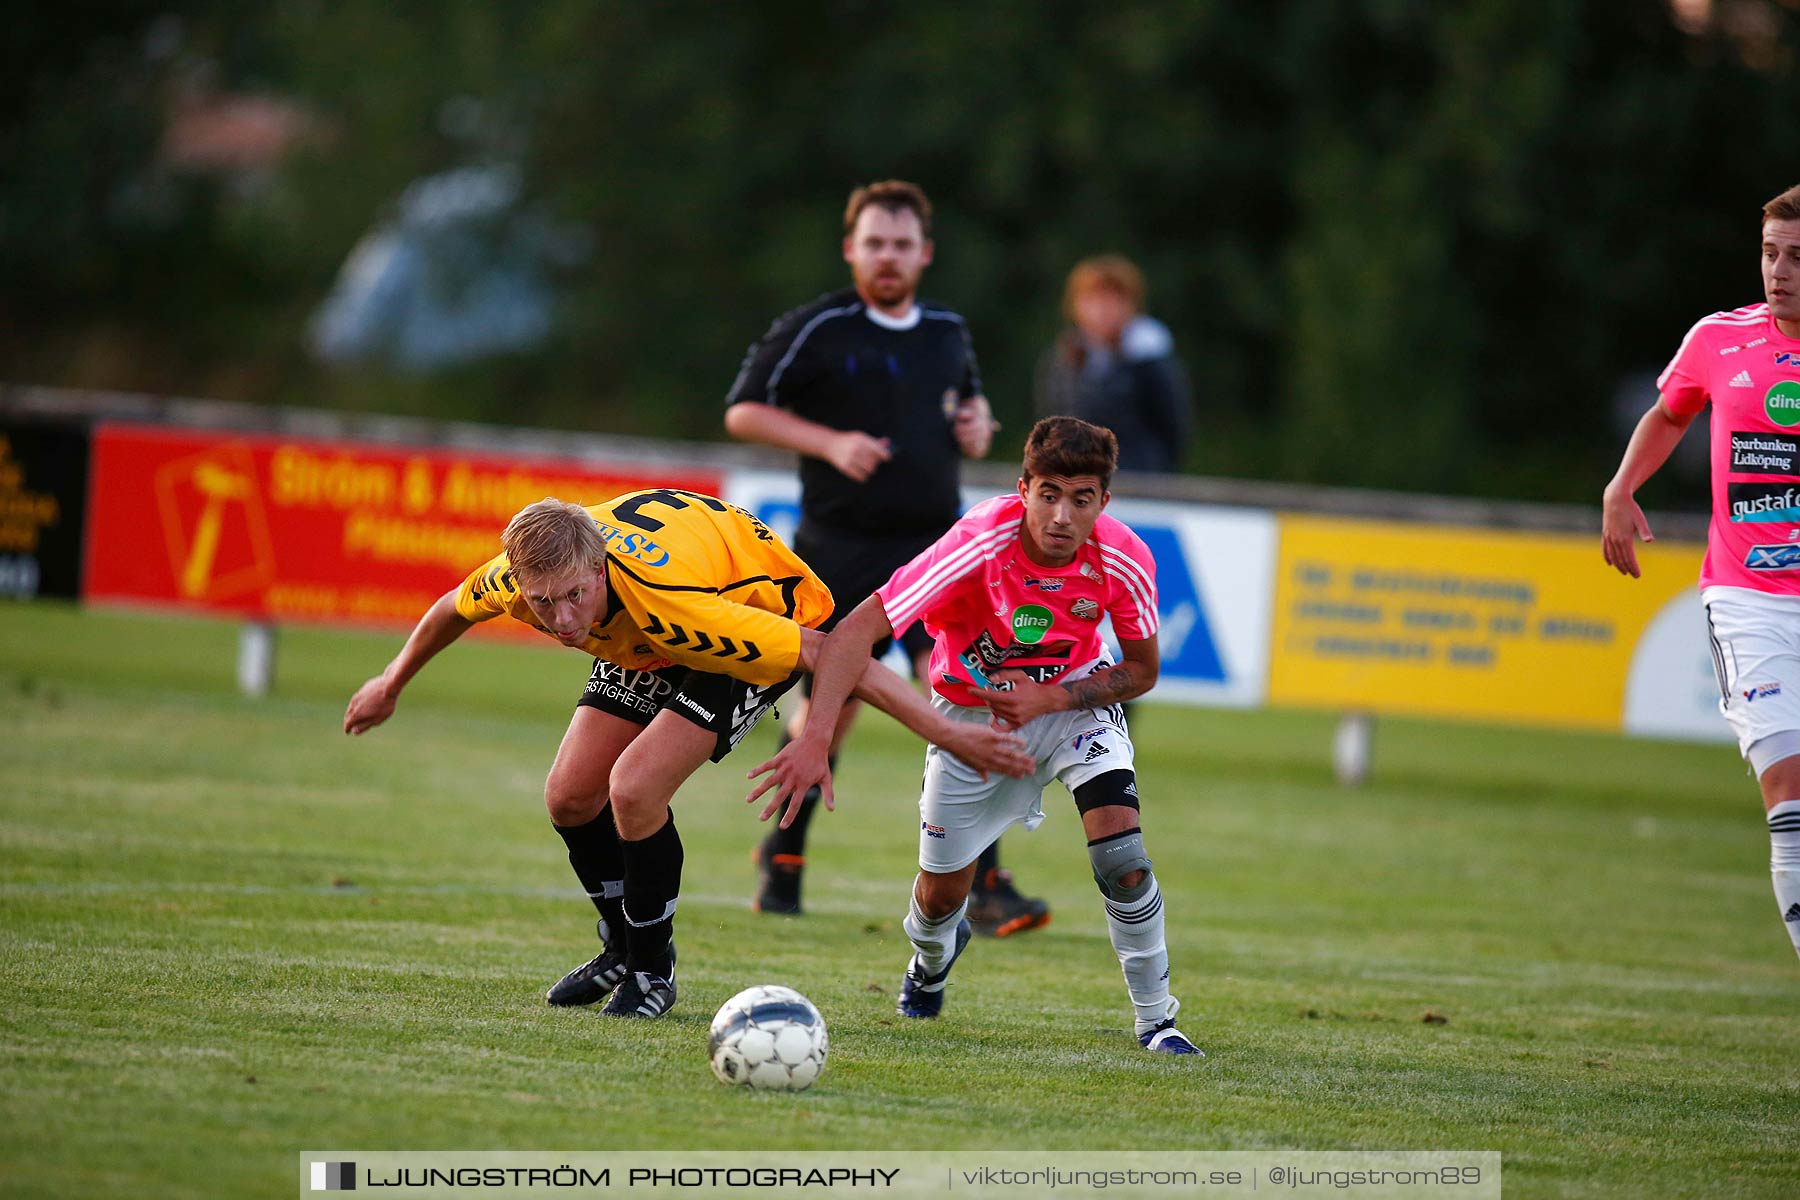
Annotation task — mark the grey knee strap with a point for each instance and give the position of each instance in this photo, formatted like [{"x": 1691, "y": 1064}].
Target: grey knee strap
[{"x": 1116, "y": 857}]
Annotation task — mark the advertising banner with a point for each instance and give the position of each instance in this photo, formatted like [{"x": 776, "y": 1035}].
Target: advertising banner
[
  {"x": 1214, "y": 570},
  {"x": 43, "y": 492},
  {"x": 1215, "y": 595},
  {"x": 1482, "y": 624},
  {"x": 282, "y": 528}
]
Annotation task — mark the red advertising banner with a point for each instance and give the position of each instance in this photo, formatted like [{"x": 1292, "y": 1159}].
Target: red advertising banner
[{"x": 282, "y": 528}]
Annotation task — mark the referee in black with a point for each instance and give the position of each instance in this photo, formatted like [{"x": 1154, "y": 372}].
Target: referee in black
[{"x": 879, "y": 394}]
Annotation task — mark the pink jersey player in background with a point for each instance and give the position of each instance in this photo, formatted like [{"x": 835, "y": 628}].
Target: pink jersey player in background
[
  {"x": 1746, "y": 364},
  {"x": 1013, "y": 596}
]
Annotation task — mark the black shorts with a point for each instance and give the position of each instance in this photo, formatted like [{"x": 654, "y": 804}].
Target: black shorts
[
  {"x": 728, "y": 707},
  {"x": 853, "y": 566}
]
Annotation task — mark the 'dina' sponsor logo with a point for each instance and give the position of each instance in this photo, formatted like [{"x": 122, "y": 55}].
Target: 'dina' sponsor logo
[
  {"x": 1030, "y": 622},
  {"x": 1762, "y": 691},
  {"x": 1782, "y": 403}
]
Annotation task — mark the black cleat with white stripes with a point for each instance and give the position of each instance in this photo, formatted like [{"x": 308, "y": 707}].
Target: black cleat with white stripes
[
  {"x": 641, "y": 995},
  {"x": 593, "y": 980}
]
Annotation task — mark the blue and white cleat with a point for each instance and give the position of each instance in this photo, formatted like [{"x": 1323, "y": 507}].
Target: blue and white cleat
[
  {"x": 1166, "y": 1039},
  {"x": 923, "y": 996}
]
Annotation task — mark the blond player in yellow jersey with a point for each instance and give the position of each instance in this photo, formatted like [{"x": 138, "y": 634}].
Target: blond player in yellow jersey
[{"x": 698, "y": 619}]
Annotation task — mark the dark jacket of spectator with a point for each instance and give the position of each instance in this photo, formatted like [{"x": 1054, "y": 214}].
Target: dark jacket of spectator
[{"x": 1115, "y": 366}]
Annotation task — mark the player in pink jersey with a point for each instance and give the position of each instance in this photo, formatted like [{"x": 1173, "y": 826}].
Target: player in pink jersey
[
  {"x": 1013, "y": 596},
  {"x": 1746, "y": 363}
]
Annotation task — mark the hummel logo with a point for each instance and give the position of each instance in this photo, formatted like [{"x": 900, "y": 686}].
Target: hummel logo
[
  {"x": 1742, "y": 379},
  {"x": 1095, "y": 750},
  {"x": 1792, "y": 914}
]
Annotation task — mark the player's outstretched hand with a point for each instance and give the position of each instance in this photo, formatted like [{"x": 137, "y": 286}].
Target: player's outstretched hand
[
  {"x": 988, "y": 749},
  {"x": 372, "y": 704},
  {"x": 1621, "y": 524},
  {"x": 857, "y": 454},
  {"x": 792, "y": 773},
  {"x": 1022, "y": 700}
]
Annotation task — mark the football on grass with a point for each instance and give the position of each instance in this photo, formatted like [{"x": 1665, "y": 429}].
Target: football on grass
[{"x": 770, "y": 1038}]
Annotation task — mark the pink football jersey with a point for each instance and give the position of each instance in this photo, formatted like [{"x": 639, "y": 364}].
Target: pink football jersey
[
  {"x": 989, "y": 607},
  {"x": 1750, "y": 371}
]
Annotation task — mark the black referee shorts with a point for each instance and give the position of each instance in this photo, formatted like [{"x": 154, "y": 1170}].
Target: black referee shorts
[
  {"x": 722, "y": 704},
  {"x": 853, "y": 566}
]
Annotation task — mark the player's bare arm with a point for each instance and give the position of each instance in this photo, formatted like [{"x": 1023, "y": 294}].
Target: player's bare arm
[
  {"x": 842, "y": 667},
  {"x": 836, "y": 664},
  {"x": 1131, "y": 677},
  {"x": 1622, "y": 522},
  {"x": 854, "y": 453},
  {"x": 374, "y": 701}
]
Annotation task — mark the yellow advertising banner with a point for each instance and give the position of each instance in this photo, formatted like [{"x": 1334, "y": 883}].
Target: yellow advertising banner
[{"x": 1461, "y": 622}]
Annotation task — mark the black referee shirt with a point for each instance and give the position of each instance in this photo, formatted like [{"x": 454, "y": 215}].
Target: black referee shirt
[{"x": 832, "y": 363}]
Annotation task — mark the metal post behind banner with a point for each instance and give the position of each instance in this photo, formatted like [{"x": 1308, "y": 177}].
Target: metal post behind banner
[
  {"x": 1353, "y": 748},
  {"x": 256, "y": 658}
]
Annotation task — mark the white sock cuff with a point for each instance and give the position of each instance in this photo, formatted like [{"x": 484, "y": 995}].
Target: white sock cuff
[
  {"x": 1145, "y": 906},
  {"x": 1784, "y": 836},
  {"x": 934, "y": 925}
]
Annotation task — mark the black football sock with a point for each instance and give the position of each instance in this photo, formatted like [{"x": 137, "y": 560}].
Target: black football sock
[
  {"x": 792, "y": 840},
  {"x": 652, "y": 884},
  {"x": 600, "y": 865},
  {"x": 987, "y": 861}
]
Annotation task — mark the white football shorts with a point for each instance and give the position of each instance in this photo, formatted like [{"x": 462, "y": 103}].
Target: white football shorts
[
  {"x": 960, "y": 814},
  {"x": 1756, "y": 657}
]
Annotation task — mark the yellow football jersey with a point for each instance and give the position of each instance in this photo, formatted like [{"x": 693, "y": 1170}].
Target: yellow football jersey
[{"x": 691, "y": 580}]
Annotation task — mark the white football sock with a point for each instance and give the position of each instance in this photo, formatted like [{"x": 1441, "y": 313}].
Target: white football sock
[
  {"x": 1136, "y": 928},
  {"x": 934, "y": 942},
  {"x": 1784, "y": 864}
]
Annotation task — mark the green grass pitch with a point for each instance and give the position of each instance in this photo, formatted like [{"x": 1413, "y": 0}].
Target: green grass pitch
[{"x": 230, "y": 933}]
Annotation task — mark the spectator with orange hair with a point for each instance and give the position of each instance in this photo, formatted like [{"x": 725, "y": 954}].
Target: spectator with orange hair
[{"x": 1115, "y": 366}]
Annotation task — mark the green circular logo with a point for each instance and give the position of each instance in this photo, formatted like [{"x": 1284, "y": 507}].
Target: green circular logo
[
  {"x": 1782, "y": 404},
  {"x": 1032, "y": 621}
]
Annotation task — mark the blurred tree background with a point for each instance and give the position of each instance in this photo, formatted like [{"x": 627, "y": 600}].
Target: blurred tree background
[{"x": 1400, "y": 244}]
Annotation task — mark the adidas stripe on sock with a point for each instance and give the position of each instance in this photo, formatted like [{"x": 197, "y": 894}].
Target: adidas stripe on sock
[
  {"x": 1136, "y": 929},
  {"x": 1784, "y": 864}
]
